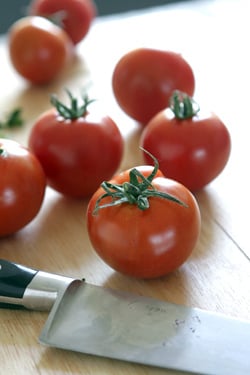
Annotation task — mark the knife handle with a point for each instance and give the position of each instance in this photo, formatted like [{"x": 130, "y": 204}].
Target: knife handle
[
  {"x": 14, "y": 279},
  {"x": 25, "y": 287}
]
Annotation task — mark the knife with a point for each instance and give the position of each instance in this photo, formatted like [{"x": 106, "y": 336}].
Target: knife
[{"x": 104, "y": 322}]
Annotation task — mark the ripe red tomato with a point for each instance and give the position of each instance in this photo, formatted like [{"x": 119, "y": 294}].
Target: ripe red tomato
[
  {"x": 144, "y": 79},
  {"x": 74, "y": 16},
  {"x": 192, "y": 148},
  {"x": 22, "y": 187},
  {"x": 139, "y": 232},
  {"x": 38, "y": 49},
  {"x": 78, "y": 149}
]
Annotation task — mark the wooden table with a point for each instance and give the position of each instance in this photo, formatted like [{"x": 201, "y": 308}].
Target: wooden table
[{"x": 214, "y": 37}]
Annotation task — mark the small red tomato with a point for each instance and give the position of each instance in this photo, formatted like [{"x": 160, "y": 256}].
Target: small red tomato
[
  {"x": 143, "y": 225},
  {"x": 144, "y": 79},
  {"x": 22, "y": 187},
  {"x": 77, "y": 148},
  {"x": 191, "y": 148},
  {"x": 38, "y": 49},
  {"x": 74, "y": 16}
]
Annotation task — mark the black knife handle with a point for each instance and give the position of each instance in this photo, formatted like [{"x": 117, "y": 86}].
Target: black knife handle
[{"x": 14, "y": 279}]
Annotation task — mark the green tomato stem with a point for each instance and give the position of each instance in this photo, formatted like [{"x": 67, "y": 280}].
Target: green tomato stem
[
  {"x": 136, "y": 191},
  {"x": 3, "y": 152},
  {"x": 14, "y": 119},
  {"x": 183, "y": 106},
  {"x": 75, "y": 110}
]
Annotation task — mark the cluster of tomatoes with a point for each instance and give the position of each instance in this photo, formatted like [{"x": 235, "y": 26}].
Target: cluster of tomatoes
[
  {"x": 42, "y": 43},
  {"x": 156, "y": 88},
  {"x": 145, "y": 221},
  {"x": 187, "y": 148}
]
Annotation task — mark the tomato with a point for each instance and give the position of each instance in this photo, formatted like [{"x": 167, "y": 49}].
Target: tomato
[
  {"x": 144, "y": 79},
  {"x": 22, "y": 186},
  {"x": 77, "y": 148},
  {"x": 192, "y": 148},
  {"x": 38, "y": 49},
  {"x": 74, "y": 16},
  {"x": 142, "y": 224}
]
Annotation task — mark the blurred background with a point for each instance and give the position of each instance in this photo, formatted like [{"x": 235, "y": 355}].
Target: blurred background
[{"x": 14, "y": 9}]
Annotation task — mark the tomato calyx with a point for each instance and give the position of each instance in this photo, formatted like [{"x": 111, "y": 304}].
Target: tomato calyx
[
  {"x": 75, "y": 110},
  {"x": 136, "y": 191},
  {"x": 57, "y": 18},
  {"x": 14, "y": 119},
  {"x": 183, "y": 106}
]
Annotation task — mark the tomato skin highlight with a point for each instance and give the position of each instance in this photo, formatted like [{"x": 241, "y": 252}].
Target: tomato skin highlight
[
  {"x": 77, "y": 155},
  {"x": 193, "y": 151},
  {"x": 78, "y": 15},
  {"x": 145, "y": 244},
  {"x": 38, "y": 49},
  {"x": 143, "y": 81},
  {"x": 22, "y": 187}
]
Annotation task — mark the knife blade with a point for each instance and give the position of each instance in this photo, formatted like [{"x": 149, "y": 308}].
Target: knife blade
[{"x": 116, "y": 324}]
